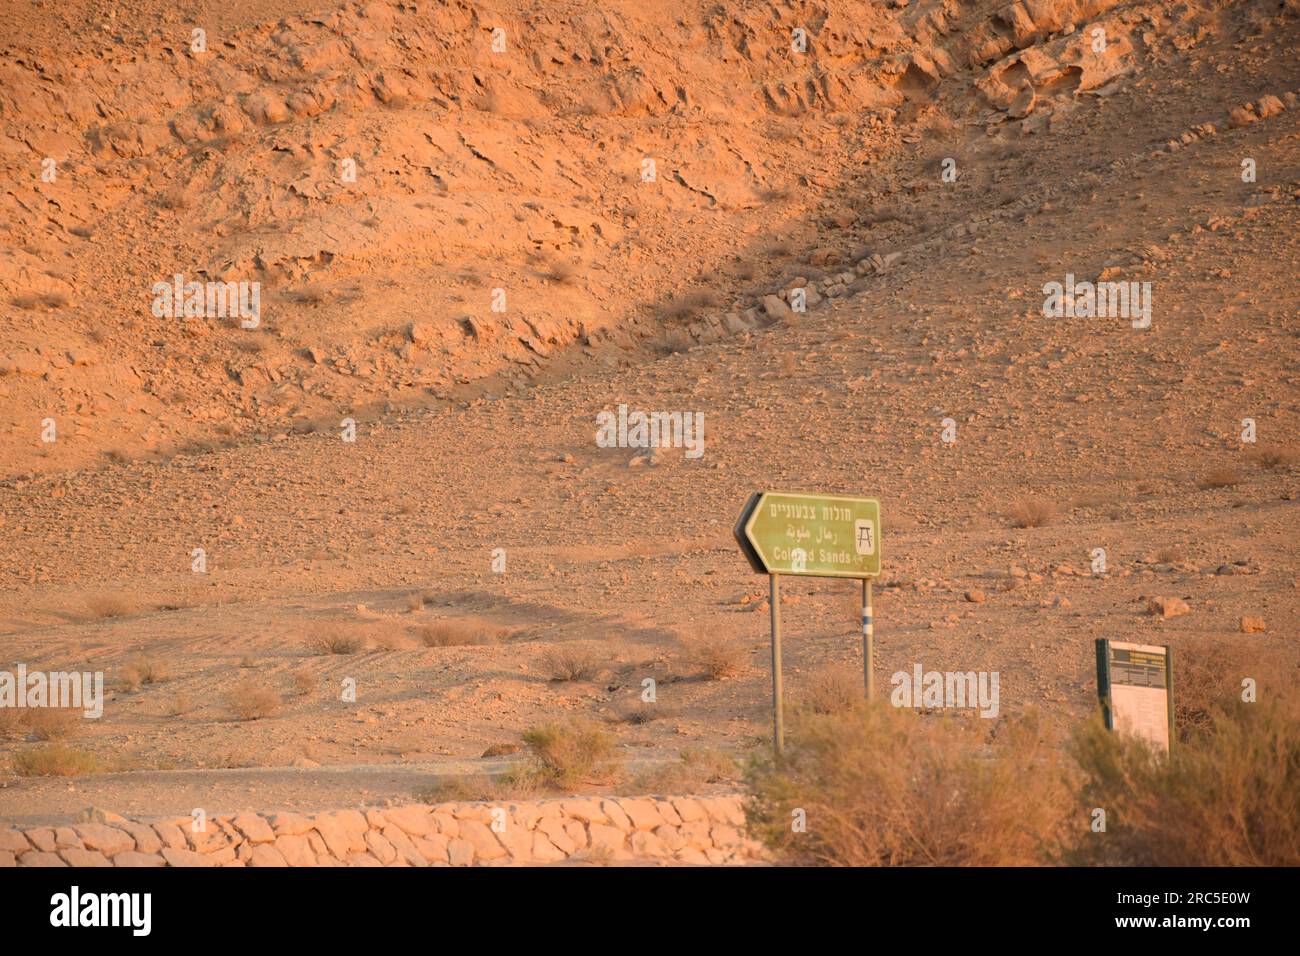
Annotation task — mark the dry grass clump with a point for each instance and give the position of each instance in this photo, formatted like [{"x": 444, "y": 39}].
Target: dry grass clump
[
  {"x": 1033, "y": 513},
  {"x": 716, "y": 656},
  {"x": 1220, "y": 478},
  {"x": 458, "y": 632},
  {"x": 336, "y": 639},
  {"x": 887, "y": 787},
  {"x": 56, "y": 760},
  {"x": 833, "y": 689},
  {"x": 571, "y": 662},
  {"x": 53, "y": 723},
  {"x": 1225, "y": 798},
  {"x": 110, "y": 605},
  {"x": 694, "y": 770},
  {"x": 565, "y": 754},
  {"x": 143, "y": 670},
  {"x": 251, "y": 699}
]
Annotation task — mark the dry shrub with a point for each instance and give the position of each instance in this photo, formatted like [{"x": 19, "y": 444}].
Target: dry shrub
[
  {"x": 1274, "y": 456},
  {"x": 1220, "y": 478},
  {"x": 887, "y": 787},
  {"x": 690, "y": 773},
  {"x": 389, "y": 638},
  {"x": 40, "y": 300},
  {"x": 715, "y": 655},
  {"x": 565, "y": 754},
  {"x": 1033, "y": 513},
  {"x": 408, "y": 742},
  {"x": 520, "y": 782},
  {"x": 173, "y": 198},
  {"x": 784, "y": 132},
  {"x": 141, "y": 671},
  {"x": 11, "y": 723},
  {"x": 303, "y": 681},
  {"x": 456, "y": 632},
  {"x": 1093, "y": 499},
  {"x": 312, "y": 294},
  {"x": 684, "y": 307},
  {"x": 1208, "y": 675},
  {"x": 336, "y": 639},
  {"x": 1227, "y": 798},
  {"x": 225, "y": 760},
  {"x": 833, "y": 689},
  {"x": 474, "y": 788},
  {"x": 180, "y": 704},
  {"x": 573, "y": 661},
  {"x": 252, "y": 700},
  {"x": 54, "y": 723},
  {"x": 56, "y": 760},
  {"x": 110, "y": 605},
  {"x": 643, "y": 712},
  {"x": 560, "y": 271}
]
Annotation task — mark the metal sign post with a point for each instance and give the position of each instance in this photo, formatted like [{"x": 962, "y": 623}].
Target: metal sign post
[
  {"x": 868, "y": 642},
  {"x": 778, "y": 719},
  {"x": 825, "y": 536}
]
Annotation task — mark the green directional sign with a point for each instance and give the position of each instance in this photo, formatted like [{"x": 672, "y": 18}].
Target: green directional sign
[{"x": 825, "y": 536}]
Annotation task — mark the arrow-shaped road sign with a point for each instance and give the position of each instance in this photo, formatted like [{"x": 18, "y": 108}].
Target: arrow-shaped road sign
[{"x": 828, "y": 536}]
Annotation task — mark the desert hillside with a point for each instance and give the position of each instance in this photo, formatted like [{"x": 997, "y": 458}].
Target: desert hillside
[{"x": 474, "y": 228}]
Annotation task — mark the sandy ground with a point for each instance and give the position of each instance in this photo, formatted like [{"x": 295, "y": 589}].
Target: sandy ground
[{"x": 1122, "y": 431}]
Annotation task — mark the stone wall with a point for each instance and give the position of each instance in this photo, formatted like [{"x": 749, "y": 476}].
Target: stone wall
[{"x": 683, "y": 830}]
